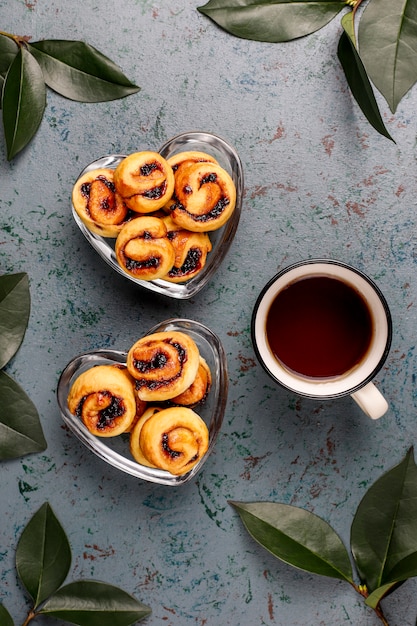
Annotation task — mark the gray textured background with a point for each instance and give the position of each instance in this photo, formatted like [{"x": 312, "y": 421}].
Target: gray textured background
[{"x": 319, "y": 183}]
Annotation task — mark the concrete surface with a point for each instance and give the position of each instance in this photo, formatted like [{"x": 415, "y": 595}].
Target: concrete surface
[{"x": 320, "y": 182}]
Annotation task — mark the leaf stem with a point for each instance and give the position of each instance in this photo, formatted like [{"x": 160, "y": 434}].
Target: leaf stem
[
  {"x": 380, "y": 614},
  {"x": 20, "y": 41},
  {"x": 356, "y": 6},
  {"x": 29, "y": 617},
  {"x": 363, "y": 591}
]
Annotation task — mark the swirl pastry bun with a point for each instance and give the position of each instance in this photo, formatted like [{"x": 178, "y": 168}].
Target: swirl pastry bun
[
  {"x": 143, "y": 250},
  {"x": 134, "y": 441},
  {"x": 204, "y": 197},
  {"x": 198, "y": 389},
  {"x": 189, "y": 157},
  {"x": 164, "y": 364},
  {"x": 145, "y": 181},
  {"x": 191, "y": 251},
  {"x": 172, "y": 439},
  {"x": 103, "y": 398},
  {"x": 97, "y": 203},
  {"x": 141, "y": 407}
]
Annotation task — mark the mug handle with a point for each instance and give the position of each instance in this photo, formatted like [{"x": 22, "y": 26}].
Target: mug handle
[{"x": 371, "y": 401}]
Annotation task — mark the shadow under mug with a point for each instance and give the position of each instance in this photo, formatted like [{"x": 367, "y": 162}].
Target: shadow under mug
[{"x": 356, "y": 380}]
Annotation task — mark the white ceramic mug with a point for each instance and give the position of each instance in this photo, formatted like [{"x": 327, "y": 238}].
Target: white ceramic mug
[{"x": 269, "y": 313}]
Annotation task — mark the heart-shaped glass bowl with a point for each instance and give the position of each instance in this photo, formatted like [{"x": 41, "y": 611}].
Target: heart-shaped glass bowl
[
  {"x": 221, "y": 239},
  {"x": 115, "y": 450}
]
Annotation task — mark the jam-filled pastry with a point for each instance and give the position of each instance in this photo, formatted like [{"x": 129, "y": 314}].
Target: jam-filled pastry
[
  {"x": 174, "y": 439},
  {"x": 134, "y": 441},
  {"x": 190, "y": 251},
  {"x": 163, "y": 364},
  {"x": 145, "y": 181},
  {"x": 97, "y": 203},
  {"x": 182, "y": 159},
  {"x": 103, "y": 398},
  {"x": 141, "y": 407},
  {"x": 204, "y": 197},
  {"x": 143, "y": 250},
  {"x": 199, "y": 389}
]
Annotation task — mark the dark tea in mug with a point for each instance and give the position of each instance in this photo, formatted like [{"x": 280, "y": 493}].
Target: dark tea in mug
[
  {"x": 323, "y": 329},
  {"x": 319, "y": 326}
]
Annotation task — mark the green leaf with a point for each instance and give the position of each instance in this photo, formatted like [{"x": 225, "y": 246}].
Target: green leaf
[
  {"x": 269, "y": 20},
  {"x": 5, "y": 617},
  {"x": 20, "y": 429},
  {"x": 79, "y": 72},
  {"x": 93, "y": 603},
  {"x": 297, "y": 537},
  {"x": 24, "y": 101},
  {"x": 43, "y": 555},
  {"x": 376, "y": 596},
  {"x": 404, "y": 569},
  {"x": 359, "y": 83},
  {"x": 8, "y": 51},
  {"x": 384, "y": 529},
  {"x": 387, "y": 38},
  {"x": 14, "y": 314},
  {"x": 348, "y": 24}
]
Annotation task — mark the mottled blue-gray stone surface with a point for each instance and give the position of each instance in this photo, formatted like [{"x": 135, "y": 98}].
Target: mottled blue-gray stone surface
[{"x": 320, "y": 182}]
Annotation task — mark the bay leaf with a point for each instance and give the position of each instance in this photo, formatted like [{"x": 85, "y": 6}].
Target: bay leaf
[
  {"x": 14, "y": 314},
  {"x": 384, "y": 529},
  {"x": 403, "y": 569},
  {"x": 79, "y": 72},
  {"x": 5, "y": 617},
  {"x": 43, "y": 555},
  {"x": 8, "y": 51},
  {"x": 24, "y": 101},
  {"x": 20, "y": 428},
  {"x": 387, "y": 37},
  {"x": 269, "y": 20},
  {"x": 94, "y": 603},
  {"x": 359, "y": 83},
  {"x": 348, "y": 24},
  {"x": 376, "y": 596},
  {"x": 297, "y": 537}
]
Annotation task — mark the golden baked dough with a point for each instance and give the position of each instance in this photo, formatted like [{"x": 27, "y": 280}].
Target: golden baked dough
[
  {"x": 103, "y": 398},
  {"x": 97, "y": 203},
  {"x": 182, "y": 159},
  {"x": 174, "y": 439},
  {"x": 164, "y": 365},
  {"x": 204, "y": 197},
  {"x": 141, "y": 407},
  {"x": 145, "y": 181},
  {"x": 191, "y": 251},
  {"x": 143, "y": 250},
  {"x": 134, "y": 441},
  {"x": 199, "y": 389}
]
